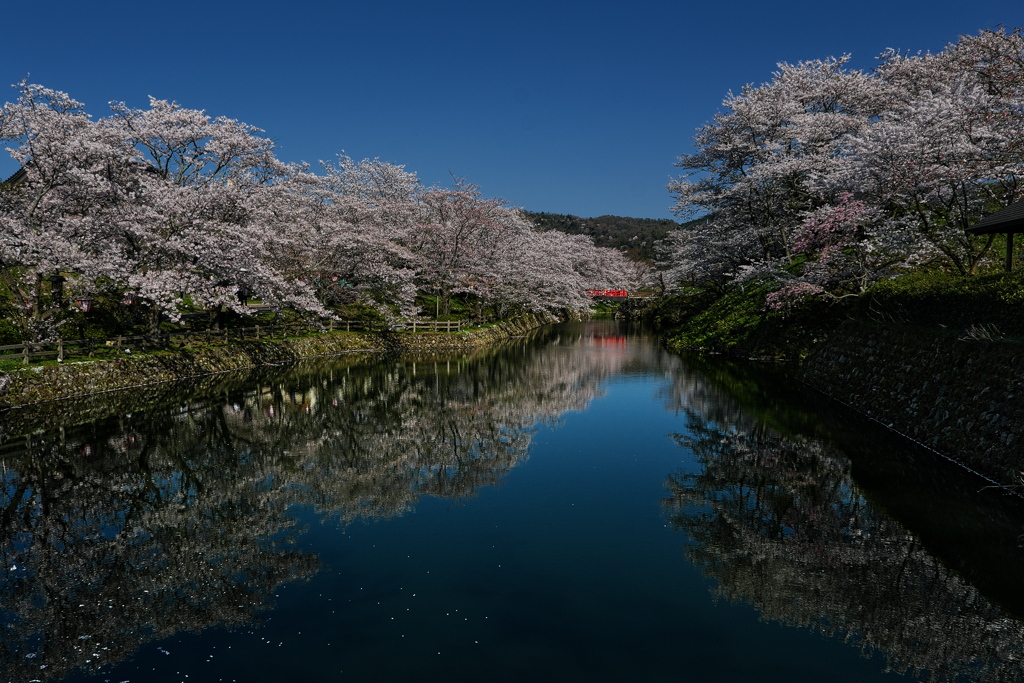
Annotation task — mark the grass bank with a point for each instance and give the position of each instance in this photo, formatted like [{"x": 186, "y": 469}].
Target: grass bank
[
  {"x": 50, "y": 381},
  {"x": 736, "y": 323}
]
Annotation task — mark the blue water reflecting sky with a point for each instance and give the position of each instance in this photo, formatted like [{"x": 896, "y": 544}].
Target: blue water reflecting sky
[{"x": 569, "y": 567}]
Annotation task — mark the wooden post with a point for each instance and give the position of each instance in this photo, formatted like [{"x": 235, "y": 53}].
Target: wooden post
[
  {"x": 1009, "y": 252},
  {"x": 60, "y": 350},
  {"x": 348, "y": 326},
  {"x": 25, "y": 351},
  {"x": 257, "y": 333}
]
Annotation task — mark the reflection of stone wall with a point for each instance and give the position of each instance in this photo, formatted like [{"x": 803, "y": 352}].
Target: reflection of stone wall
[
  {"x": 41, "y": 383},
  {"x": 778, "y": 523},
  {"x": 962, "y": 398}
]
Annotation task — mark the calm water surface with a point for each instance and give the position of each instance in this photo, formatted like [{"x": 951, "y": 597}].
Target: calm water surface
[{"x": 579, "y": 505}]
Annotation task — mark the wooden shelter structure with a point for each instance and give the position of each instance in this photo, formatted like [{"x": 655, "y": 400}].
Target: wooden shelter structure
[{"x": 1009, "y": 220}]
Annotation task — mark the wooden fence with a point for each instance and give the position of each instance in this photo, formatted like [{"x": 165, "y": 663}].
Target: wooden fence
[{"x": 66, "y": 348}]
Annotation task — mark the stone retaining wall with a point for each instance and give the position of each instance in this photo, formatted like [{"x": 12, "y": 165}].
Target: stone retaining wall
[
  {"x": 43, "y": 383},
  {"x": 961, "y": 398}
]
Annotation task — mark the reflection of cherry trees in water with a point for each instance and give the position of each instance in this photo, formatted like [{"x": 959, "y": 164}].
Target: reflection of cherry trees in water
[
  {"x": 110, "y": 544},
  {"x": 138, "y": 526},
  {"x": 369, "y": 442},
  {"x": 777, "y": 522}
]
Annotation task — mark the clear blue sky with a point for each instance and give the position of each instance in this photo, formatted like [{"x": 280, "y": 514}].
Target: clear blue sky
[{"x": 567, "y": 107}]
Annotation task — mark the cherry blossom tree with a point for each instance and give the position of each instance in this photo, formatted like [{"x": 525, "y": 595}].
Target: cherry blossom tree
[
  {"x": 550, "y": 271},
  {"x": 707, "y": 253},
  {"x": 758, "y": 164},
  {"x": 373, "y": 206},
  {"x": 949, "y": 147},
  {"x": 918, "y": 149},
  {"x": 157, "y": 203},
  {"x": 481, "y": 248},
  {"x": 456, "y": 230},
  {"x": 843, "y": 255},
  {"x": 181, "y": 210},
  {"x": 199, "y": 229},
  {"x": 62, "y": 217}
]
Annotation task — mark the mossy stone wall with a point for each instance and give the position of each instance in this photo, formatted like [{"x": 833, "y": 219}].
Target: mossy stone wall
[
  {"x": 959, "y": 397},
  {"x": 43, "y": 383}
]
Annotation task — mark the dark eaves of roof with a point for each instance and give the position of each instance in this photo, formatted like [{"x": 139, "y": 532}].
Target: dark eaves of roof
[
  {"x": 1009, "y": 219},
  {"x": 15, "y": 178}
]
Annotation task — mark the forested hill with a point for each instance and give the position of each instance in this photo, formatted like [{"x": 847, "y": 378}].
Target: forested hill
[{"x": 636, "y": 235}]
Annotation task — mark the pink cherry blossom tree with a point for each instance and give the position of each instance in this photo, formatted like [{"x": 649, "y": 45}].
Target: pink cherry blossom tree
[
  {"x": 198, "y": 230},
  {"x": 181, "y": 210},
  {"x": 759, "y": 164},
  {"x": 949, "y": 147},
  {"x": 61, "y": 219},
  {"x": 854, "y": 174},
  {"x": 343, "y": 232}
]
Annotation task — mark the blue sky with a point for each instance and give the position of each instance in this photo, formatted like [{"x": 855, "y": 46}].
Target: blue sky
[{"x": 555, "y": 106}]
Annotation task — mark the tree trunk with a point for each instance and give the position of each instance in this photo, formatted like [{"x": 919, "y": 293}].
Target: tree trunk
[
  {"x": 446, "y": 301},
  {"x": 216, "y": 318},
  {"x": 153, "y": 322},
  {"x": 37, "y": 298}
]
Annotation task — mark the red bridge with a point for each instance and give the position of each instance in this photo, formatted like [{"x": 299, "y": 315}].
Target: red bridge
[{"x": 607, "y": 293}]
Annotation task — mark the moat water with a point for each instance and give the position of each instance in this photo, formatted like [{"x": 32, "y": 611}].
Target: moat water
[{"x": 579, "y": 505}]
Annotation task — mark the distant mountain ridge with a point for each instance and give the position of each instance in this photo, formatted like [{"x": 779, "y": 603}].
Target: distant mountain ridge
[{"x": 636, "y": 236}]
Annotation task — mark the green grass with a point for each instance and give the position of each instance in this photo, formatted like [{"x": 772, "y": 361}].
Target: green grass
[
  {"x": 948, "y": 303},
  {"x": 735, "y": 322},
  {"x": 603, "y": 310}
]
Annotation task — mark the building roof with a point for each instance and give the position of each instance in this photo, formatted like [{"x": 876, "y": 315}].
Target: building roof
[
  {"x": 15, "y": 178},
  {"x": 1009, "y": 219}
]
